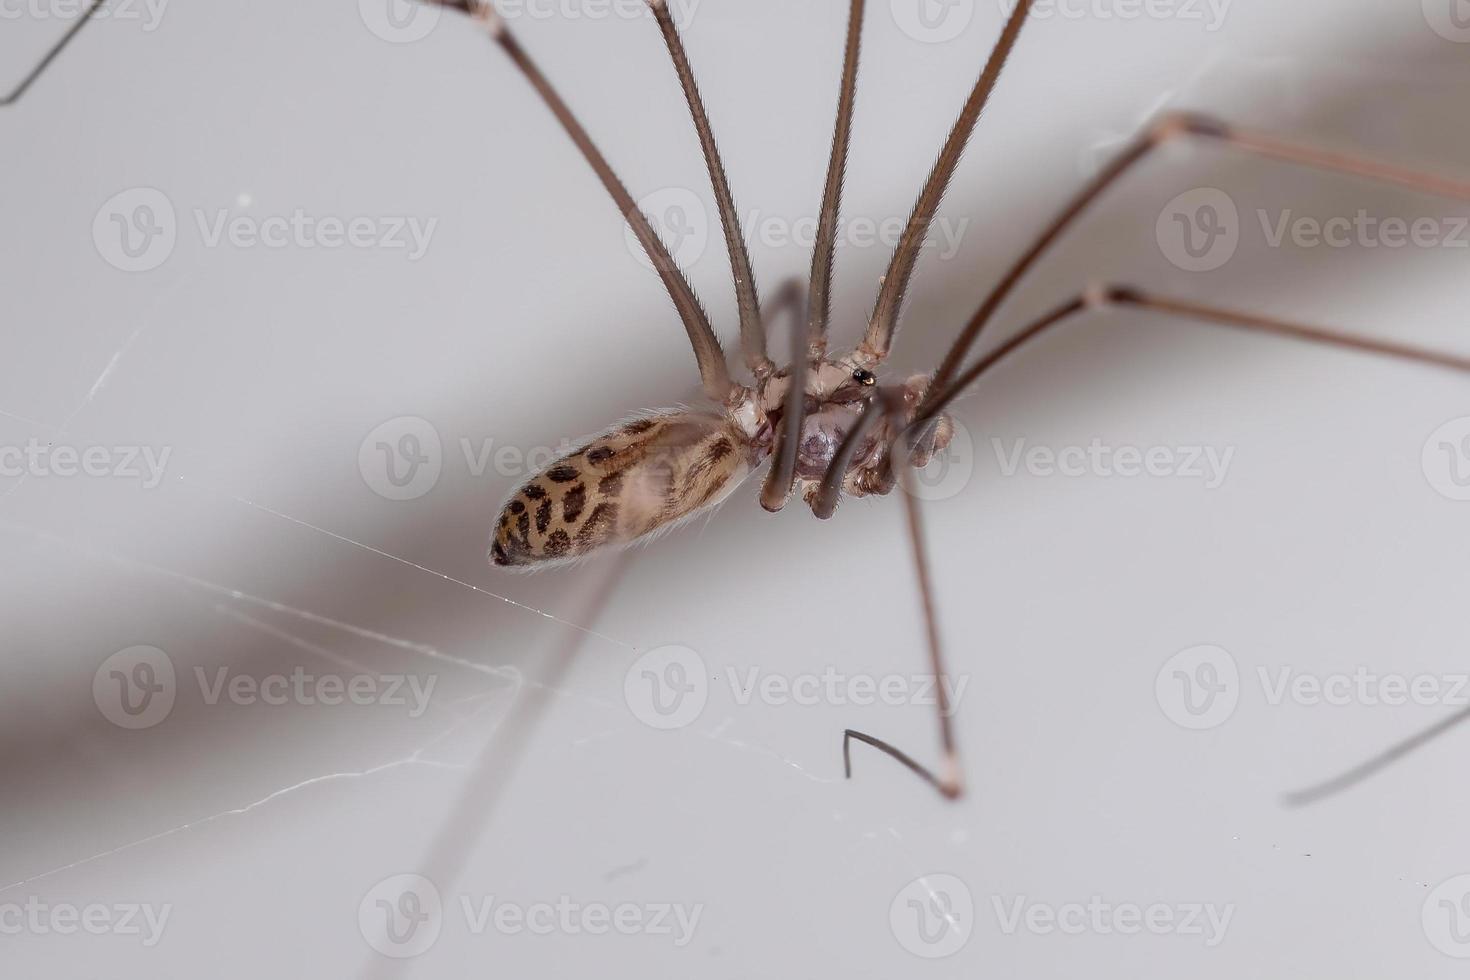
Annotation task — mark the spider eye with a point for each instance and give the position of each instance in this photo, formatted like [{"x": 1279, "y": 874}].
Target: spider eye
[{"x": 864, "y": 377}]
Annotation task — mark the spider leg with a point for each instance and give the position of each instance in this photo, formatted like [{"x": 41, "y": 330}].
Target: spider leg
[
  {"x": 752, "y": 332},
  {"x": 1167, "y": 130},
  {"x": 884, "y": 322},
  {"x": 714, "y": 373},
  {"x": 30, "y": 79},
  {"x": 950, "y": 780},
  {"x": 1101, "y": 296},
  {"x": 782, "y": 475},
  {"x": 819, "y": 298}
]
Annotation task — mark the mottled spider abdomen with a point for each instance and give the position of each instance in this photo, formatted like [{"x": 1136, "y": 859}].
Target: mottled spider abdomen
[{"x": 636, "y": 479}]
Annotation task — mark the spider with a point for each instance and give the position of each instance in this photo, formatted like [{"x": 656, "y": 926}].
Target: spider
[{"x": 828, "y": 423}]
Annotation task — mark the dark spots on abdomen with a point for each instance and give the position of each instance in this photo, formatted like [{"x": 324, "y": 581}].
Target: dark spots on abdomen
[
  {"x": 516, "y": 506},
  {"x": 543, "y": 516},
  {"x": 718, "y": 450},
  {"x": 534, "y": 491},
  {"x": 573, "y": 503},
  {"x": 599, "y": 523},
  {"x": 523, "y": 527},
  {"x": 562, "y": 473},
  {"x": 601, "y": 454},
  {"x": 610, "y": 485},
  {"x": 639, "y": 426},
  {"x": 557, "y": 545}
]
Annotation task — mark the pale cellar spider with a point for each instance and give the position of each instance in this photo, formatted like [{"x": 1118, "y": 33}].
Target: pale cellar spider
[{"x": 829, "y": 422}]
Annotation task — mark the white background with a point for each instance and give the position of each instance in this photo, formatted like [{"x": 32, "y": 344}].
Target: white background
[{"x": 263, "y": 370}]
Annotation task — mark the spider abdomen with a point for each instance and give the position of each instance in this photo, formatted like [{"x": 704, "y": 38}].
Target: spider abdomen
[{"x": 638, "y": 478}]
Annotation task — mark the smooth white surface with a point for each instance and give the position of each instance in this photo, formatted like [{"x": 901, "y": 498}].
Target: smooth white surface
[{"x": 262, "y": 371}]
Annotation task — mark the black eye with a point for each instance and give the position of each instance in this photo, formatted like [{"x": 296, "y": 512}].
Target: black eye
[{"x": 864, "y": 377}]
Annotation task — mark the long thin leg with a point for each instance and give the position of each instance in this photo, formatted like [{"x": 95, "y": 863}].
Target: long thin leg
[
  {"x": 879, "y": 338},
  {"x": 782, "y": 474},
  {"x": 819, "y": 298},
  {"x": 1102, "y": 296},
  {"x": 949, "y": 781},
  {"x": 752, "y": 336},
  {"x": 1167, "y": 129},
  {"x": 50, "y": 56},
  {"x": 714, "y": 374}
]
